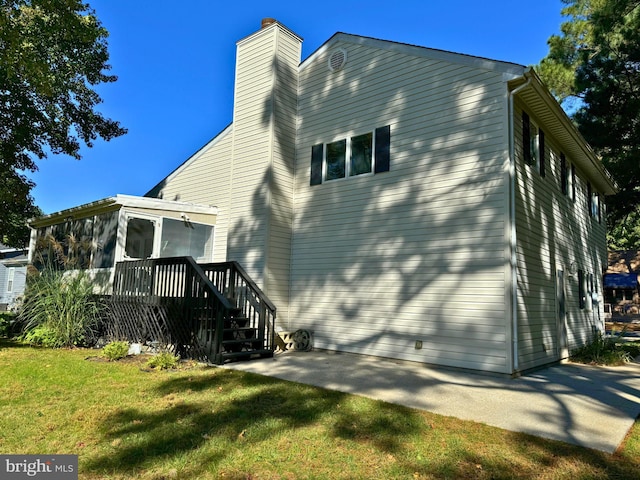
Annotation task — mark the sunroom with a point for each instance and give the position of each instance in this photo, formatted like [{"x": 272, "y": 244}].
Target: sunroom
[{"x": 97, "y": 235}]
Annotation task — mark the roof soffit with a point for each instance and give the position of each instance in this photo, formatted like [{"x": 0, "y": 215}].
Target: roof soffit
[{"x": 553, "y": 119}]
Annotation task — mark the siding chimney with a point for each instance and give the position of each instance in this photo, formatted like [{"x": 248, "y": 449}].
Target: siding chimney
[{"x": 262, "y": 155}]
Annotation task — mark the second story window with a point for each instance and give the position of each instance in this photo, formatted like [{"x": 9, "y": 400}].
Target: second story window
[
  {"x": 357, "y": 155},
  {"x": 533, "y": 144}
]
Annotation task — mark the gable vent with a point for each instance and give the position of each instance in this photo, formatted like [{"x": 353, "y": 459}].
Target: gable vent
[{"x": 337, "y": 59}]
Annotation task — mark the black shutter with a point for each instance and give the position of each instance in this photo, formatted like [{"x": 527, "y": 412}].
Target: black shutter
[
  {"x": 581, "y": 292},
  {"x": 383, "y": 149},
  {"x": 316, "y": 164},
  {"x": 573, "y": 182},
  {"x": 564, "y": 180},
  {"x": 526, "y": 138},
  {"x": 541, "y": 146}
]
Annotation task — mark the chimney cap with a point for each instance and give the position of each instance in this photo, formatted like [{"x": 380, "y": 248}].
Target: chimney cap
[{"x": 267, "y": 21}]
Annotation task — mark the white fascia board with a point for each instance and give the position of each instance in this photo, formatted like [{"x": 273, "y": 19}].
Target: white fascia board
[
  {"x": 119, "y": 201},
  {"x": 563, "y": 128},
  {"x": 84, "y": 210},
  {"x": 167, "y": 205}
]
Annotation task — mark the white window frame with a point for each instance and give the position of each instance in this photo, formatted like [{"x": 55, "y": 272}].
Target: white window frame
[
  {"x": 157, "y": 228},
  {"x": 595, "y": 205},
  {"x": 534, "y": 147},
  {"x": 347, "y": 160},
  {"x": 11, "y": 276},
  {"x": 157, "y": 235}
]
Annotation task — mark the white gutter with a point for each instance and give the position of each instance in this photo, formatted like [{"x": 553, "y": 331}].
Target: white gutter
[{"x": 513, "y": 260}]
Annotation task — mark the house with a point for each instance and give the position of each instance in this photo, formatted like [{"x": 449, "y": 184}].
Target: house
[
  {"x": 621, "y": 293},
  {"x": 13, "y": 274},
  {"x": 399, "y": 201}
]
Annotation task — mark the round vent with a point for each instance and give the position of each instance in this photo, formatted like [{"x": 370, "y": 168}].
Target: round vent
[{"x": 337, "y": 59}]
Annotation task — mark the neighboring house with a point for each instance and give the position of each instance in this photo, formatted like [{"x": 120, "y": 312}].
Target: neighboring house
[
  {"x": 13, "y": 274},
  {"x": 398, "y": 201},
  {"x": 621, "y": 292}
]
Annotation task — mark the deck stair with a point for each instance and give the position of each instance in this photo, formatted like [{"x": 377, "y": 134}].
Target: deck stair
[{"x": 212, "y": 312}]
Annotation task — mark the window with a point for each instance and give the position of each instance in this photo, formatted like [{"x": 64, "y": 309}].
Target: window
[
  {"x": 593, "y": 202},
  {"x": 105, "y": 232},
  {"x": 140, "y": 235},
  {"x": 533, "y": 144},
  {"x": 567, "y": 177},
  {"x": 361, "y": 154},
  {"x": 11, "y": 273},
  {"x": 358, "y": 155},
  {"x": 186, "y": 239},
  {"x": 336, "y": 160}
]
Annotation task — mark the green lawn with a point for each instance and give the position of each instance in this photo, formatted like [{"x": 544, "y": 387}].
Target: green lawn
[{"x": 126, "y": 421}]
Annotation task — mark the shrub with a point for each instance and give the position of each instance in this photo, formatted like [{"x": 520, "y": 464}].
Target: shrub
[
  {"x": 602, "y": 351},
  {"x": 40, "y": 335},
  {"x": 163, "y": 361},
  {"x": 63, "y": 306},
  {"x": 6, "y": 323},
  {"x": 115, "y": 350}
]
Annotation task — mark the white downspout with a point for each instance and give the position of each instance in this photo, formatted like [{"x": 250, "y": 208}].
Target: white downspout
[{"x": 513, "y": 260}]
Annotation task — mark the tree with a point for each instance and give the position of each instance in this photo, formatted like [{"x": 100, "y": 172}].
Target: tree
[
  {"x": 52, "y": 55},
  {"x": 596, "y": 60},
  {"x": 16, "y": 206}
]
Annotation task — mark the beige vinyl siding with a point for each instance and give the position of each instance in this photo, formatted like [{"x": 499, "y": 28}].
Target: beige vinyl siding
[
  {"x": 285, "y": 93},
  {"x": 251, "y": 152},
  {"x": 264, "y": 146},
  {"x": 418, "y": 253},
  {"x": 552, "y": 232},
  {"x": 205, "y": 180}
]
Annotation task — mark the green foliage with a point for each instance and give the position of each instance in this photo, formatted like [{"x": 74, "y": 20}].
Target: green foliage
[
  {"x": 602, "y": 351},
  {"x": 6, "y": 321},
  {"x": 61, "y": 308},
  {"x": 115, "y": 350},
  {"x": 213, "y": 423},
  {"x": 163, "y": 361},
  {"x": 596, "y": 59},
  {"x": 52, "y": 55},
  {"x": 625, "y": 233},
  {"x": 16, "y": 207},
  {"x": 41, "y": 335}
]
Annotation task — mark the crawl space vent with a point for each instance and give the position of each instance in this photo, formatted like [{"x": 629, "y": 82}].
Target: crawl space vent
[{"x": 337, "y": 59}]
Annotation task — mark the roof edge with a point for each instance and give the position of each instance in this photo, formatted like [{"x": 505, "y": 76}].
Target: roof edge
[{"x": 417, "y": 50}]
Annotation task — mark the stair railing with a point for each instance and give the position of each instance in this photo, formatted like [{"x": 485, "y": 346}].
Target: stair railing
[{"x": 235, "y": 284}]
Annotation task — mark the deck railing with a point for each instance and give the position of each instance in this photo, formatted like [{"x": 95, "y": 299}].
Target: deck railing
[{"x": 186, "y": 307}]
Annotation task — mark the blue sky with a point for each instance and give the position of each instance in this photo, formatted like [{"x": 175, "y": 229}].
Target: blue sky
[{"x": 175, "y": 66}]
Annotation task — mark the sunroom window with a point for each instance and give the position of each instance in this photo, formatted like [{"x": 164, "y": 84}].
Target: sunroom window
[
  {"x": 140, "y": 233},
  {"x": 186, "y": 239}
]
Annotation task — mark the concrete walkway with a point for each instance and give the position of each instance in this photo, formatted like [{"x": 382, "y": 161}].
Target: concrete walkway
[{"x": 588, "y": 406}]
